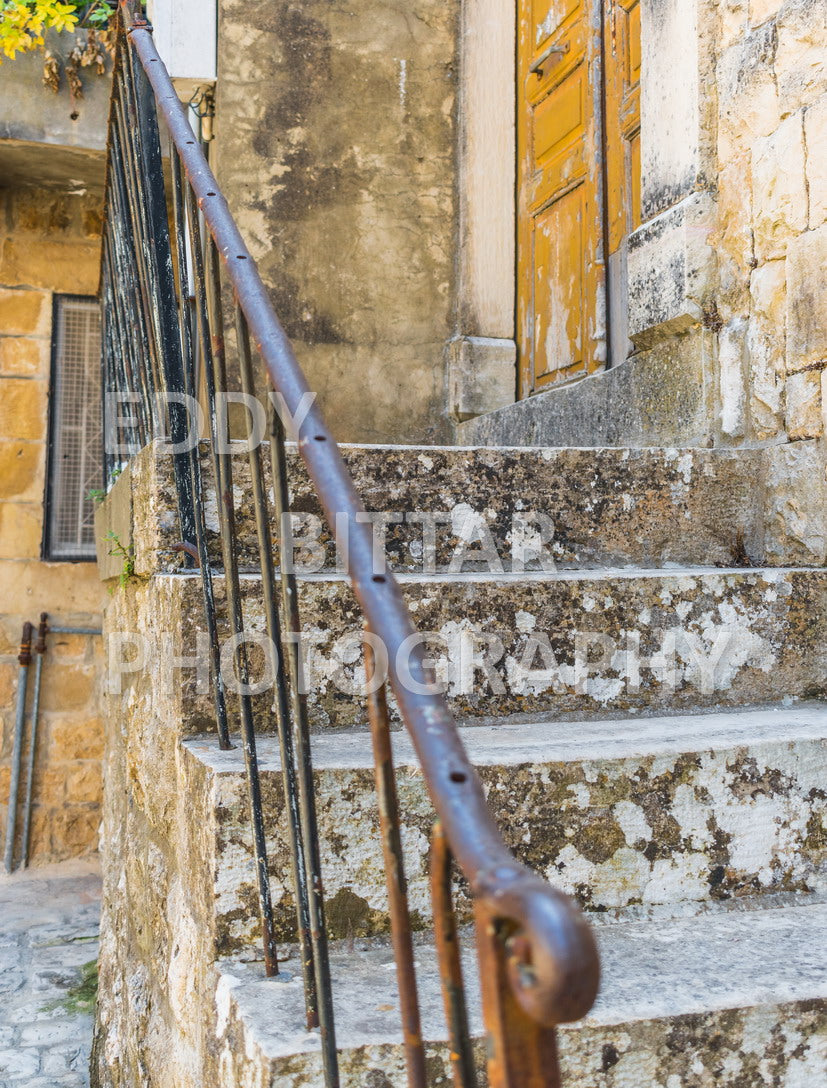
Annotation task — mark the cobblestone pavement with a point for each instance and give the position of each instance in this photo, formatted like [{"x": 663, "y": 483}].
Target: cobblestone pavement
[{"x": 48, "y": 951}]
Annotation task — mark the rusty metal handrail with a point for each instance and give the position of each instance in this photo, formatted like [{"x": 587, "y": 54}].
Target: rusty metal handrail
[{"x": 540, "y": 964}]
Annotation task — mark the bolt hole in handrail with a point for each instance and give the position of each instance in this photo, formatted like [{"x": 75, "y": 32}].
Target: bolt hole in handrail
[{"x": 537, "y": 956}]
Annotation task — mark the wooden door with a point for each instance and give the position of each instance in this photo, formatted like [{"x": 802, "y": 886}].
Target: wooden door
[
  {"x": 578, "y": 68},
  {"x": 622, "y": 49}
]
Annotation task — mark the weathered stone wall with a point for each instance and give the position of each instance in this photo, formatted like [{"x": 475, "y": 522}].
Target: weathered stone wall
[
  {"x": 772, "y": 218},
  {"x": 157, "y": 979},
  {"x": 725, "y": 279},
  {"x": 336, "y": 149},
  {"x": 48, "y": 243}
]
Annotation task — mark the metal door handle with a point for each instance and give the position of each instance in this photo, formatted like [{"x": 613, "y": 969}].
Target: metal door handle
[{"x": 537, "y": 67}]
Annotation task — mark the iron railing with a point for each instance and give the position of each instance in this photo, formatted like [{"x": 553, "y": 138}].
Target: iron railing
[{"x": 168, "y": 229}]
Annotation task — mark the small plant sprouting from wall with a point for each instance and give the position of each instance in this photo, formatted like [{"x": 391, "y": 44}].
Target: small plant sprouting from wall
[
  {"x": 127, "y": 557},
  {"x": 23, "y": 24}
]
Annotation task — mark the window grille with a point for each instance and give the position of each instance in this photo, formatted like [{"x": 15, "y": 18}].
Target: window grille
[{"x": 75, "y": 455}]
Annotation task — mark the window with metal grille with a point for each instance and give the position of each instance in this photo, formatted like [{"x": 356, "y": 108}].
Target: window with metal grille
[{"x": 75, "y": 457}]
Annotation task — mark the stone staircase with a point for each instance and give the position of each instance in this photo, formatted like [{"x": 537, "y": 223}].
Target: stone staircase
[{"x": 637, "y": 680}]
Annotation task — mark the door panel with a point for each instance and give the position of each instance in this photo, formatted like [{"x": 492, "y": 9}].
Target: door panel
[
  {"x": 622, "y": 35},
  {"x": 558, "y": 245},
  {"x": 558, "y": 287},
  {"x": 568, "y": 134}
]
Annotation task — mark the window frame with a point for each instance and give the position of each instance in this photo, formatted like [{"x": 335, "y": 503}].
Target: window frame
[{"x": 47, "y": 550}]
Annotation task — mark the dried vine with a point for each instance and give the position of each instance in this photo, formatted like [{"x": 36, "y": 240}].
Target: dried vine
[{"x": 23, "y": 24}]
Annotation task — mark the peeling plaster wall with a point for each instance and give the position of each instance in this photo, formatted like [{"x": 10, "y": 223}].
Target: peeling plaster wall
[{"x": 335, "y": 148}]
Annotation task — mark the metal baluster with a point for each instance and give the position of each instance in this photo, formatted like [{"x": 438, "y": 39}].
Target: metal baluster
[
  {"x": 307, "y": 802},
  {"x": 124, "y": 262},
  {"x": 522, "y": 1053},
  {"x": 450, "y": 966},
  {"x": 282, "y": 694},
  {"x": 394, "y": 871},
  {"x": 211, "y": 337},
  {"x": 190, "y": 383},
  {"x": 159, "y": 259},
  {"x": 121, "y": 356},
  {"x": 129, "y": 264},
  {"x": 126, "y": 129},
  {"x": 128, "y": 323}
]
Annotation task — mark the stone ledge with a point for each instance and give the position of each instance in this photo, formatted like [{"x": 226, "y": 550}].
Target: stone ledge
[
  {"x": 671, "y": 269},
  {"x": 629, "y": 816},
  {"x": 659, "y": 1012},
  {"x": 482, "y": 375}
]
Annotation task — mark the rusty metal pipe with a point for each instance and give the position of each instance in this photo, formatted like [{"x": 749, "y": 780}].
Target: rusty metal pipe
[
  {"x": 559, "y": 947},
  {"x": 397, "y": 885},
  {"x": 25, "y": 660},
  {"x": 450, "y": 966},
  {"x": 40, "y": 650}
]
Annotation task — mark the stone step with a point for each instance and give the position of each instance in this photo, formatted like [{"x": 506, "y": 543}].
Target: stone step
[
  {"x": 728, "y": 999},
  {"x": 581, "y": 643},
  {"x": 630, "y": 816},
  {"x": 597, "y": 507}
]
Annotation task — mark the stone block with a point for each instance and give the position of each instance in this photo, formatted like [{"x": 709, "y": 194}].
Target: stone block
[
  {"x": 73, "y": 739},
  {"x": 801, "y": 57},
  {"x": 69, "y": 687},
  {"x": 23, "y": 313},
  {"x": 657, "y": 397},
  {"x": 732, "y": 239},
  {"x": 20, "y": 530},
  {"x": 734, "y": 21},
  {"x": 761, "y": 10},
  {"x": 75, "y": 829},
  {"x": 9, "y": 634},
  {"x": 670, "y": 100},
  {"x": 769, "y": 652},
  {"x": 804, "y": 404},
  {"x": 795, "y": 529},
  {"x": 732, "y": 367},
  {"x": 21, "y": 470},
  {"x": 23, "y": 357},
  {"x": 49, "y": 784},
  {"x": 29, "y": 587},
  {"x": 22, "y": 408},
  {"x": 83, "y": 782},
  {"x": 758, "y": 964},
  {"x": 72, "y": 646},
  {"x": 70, "y": 266},
  {"x": 807, "y": 300},
  {"x": 671, "y": 270},
  {"x": 747, "y": 95},
  {"x": 815, "y": 140},
  {"x": 40, "y": 841},
  {"x": 779, "y": 191},
  {"x": 8, "y": 684},
  {"x": 596, "y": 843},
  {"x": 766, "y": 343},
  {"x": 482, "y": 375}
]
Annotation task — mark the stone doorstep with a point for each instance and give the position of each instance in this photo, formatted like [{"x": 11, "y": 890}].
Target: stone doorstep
[
  {"x": 603, "y": 506},
  {"x": 570, "y": 643},
  {"x": 629, "y": 816},
  {"x": 718, "y": 999}
]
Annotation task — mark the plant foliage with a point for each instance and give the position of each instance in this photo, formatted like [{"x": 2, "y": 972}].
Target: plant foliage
[{"x": 23, "y": 23}]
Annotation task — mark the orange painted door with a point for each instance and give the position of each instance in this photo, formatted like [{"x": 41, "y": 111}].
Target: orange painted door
[
  {"x": 622, "y": 49},
  {"x": 569, "y": 111}
]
